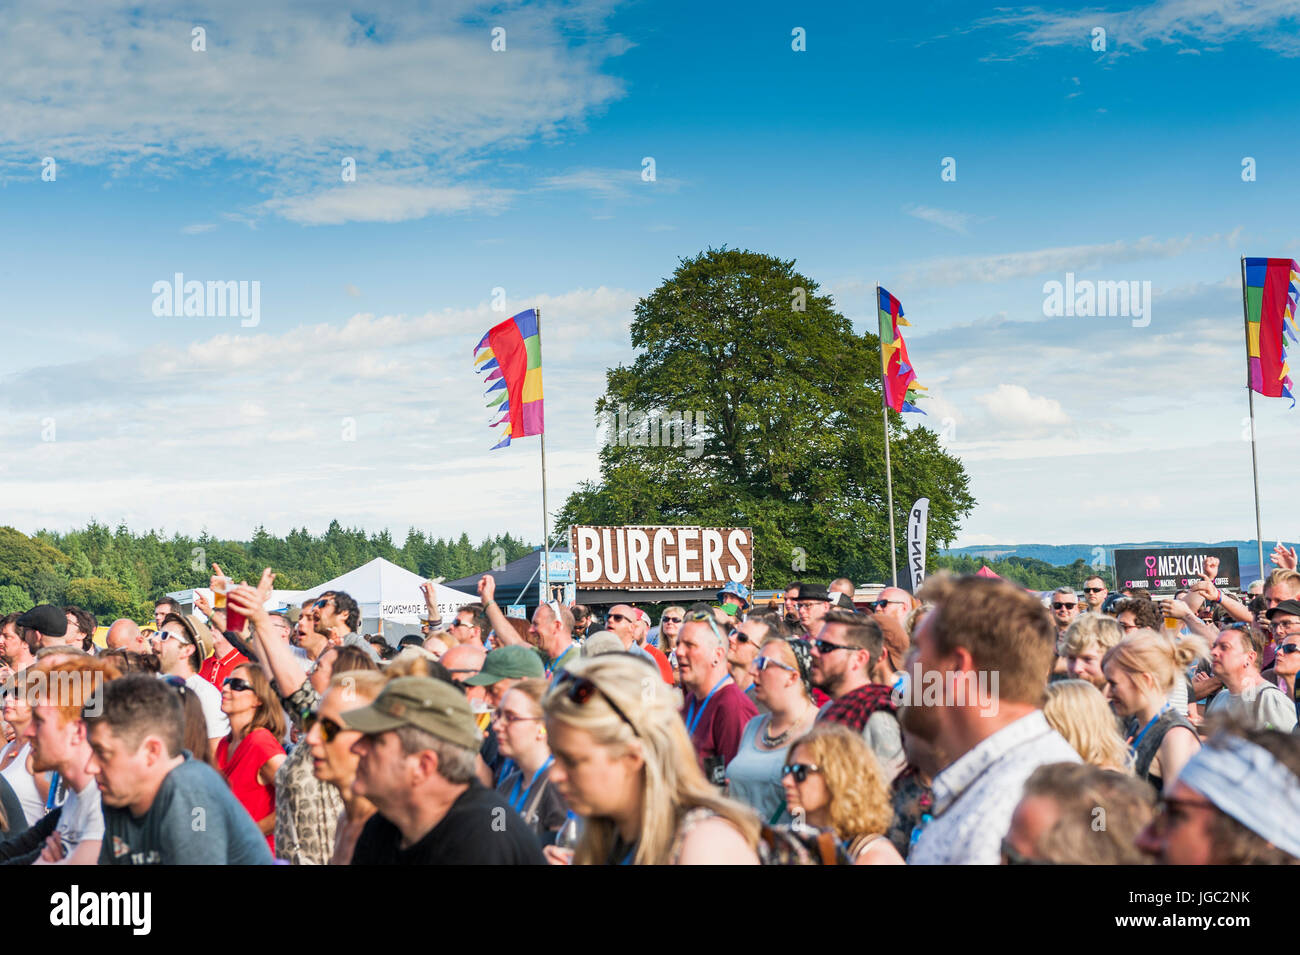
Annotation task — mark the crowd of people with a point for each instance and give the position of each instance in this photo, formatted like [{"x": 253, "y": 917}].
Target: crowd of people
[{"x": 971, "y": 722}]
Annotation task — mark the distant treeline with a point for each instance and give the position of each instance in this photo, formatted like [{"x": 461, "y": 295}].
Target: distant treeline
[
  {"x": 1028, "y": 572},
  {"x": 117, "y": 573}
]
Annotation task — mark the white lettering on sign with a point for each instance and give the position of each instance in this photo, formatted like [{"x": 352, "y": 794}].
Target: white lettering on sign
[{"x": 662, "y": 557}]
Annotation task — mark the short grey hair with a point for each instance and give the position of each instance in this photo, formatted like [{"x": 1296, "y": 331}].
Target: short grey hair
[{"x": 456, "y": 764}]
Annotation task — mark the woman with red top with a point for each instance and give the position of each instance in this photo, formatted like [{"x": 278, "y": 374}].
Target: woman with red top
[{"x": 251, "y": 754}]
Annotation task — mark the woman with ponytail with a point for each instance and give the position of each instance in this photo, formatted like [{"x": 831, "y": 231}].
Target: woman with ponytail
[{"x": 1142, "y": 671}]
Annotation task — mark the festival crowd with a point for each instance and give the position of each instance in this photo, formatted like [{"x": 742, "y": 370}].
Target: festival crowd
[{"x": 973, "y": 722}]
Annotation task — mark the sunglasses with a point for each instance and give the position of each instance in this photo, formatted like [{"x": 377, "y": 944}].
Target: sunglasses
[
  {"x": 319, "y": 604},
  {"x": 1094, "y": 590},
  {"x": 580, "y": 690},
  {"x": 799, "y": 771},
  {"x": 1060, "y": 606},
  {"x": 670, "y": 620},
  {"x": 764, "y": 662},
  {"x": 236, "y": 684},
  {"x": 458, "y": 623},
  {"x": 1011, "y": 856},
  {"x": 885, "y": 603},
  {"x": 618, "y": 616},
  {"x": 1289, "y": 648},
  {"x": 328, "y": 728},
  {"x": 825, "y": 646},
  {"x": 168, "y": 635}
]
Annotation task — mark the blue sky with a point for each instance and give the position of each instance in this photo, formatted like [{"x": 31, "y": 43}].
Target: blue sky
[{"x": 520, "y": 170}]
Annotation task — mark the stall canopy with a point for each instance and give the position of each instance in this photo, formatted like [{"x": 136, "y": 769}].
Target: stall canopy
[
  {"x": 390, "y": 598},
  {"x": 516, "y": 581}
]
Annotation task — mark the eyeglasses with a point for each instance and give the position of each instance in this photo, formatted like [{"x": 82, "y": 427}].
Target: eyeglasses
[
  {"x": 236, "y": 684},
  {"x": 1061, "y": 606},
  {"x": 328, "y": 728},
  {"x": 1012, "y": 856},
  {"x": 764, "y": 662},
  {"x": 825, "y": 646},
  {"x": 1094, "y": 590},
  {"x": 580, "y": 690},
  {"x": 510, "y": 719},
  {"x": 799, "y": 771}
]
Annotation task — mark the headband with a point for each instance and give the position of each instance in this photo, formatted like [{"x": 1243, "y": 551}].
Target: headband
[{"x": 1246, "y": 782}]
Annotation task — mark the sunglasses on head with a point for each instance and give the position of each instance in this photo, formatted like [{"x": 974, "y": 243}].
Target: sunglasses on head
[
  {"x": 579, "y": 690},
  {"x": 328, "y": 728},
  {"x": 236, "y": 684},
  {"x": 799, "y": 771}
]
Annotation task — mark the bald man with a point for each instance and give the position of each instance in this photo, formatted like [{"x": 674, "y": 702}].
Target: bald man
[
  {"x": 125, "y": 635},
  {"x": 893, "y": 602},
  {"x": 841, "y": 585}
]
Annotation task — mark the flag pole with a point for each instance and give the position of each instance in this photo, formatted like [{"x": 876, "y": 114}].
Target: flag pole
[
  {"x": 1250, "y": 398},
  {"x": 889, "y": 476},
  {"x": 546, "y": 526}
]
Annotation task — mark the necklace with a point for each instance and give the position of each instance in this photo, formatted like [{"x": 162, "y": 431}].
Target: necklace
[{"x": 771, "y": 742}]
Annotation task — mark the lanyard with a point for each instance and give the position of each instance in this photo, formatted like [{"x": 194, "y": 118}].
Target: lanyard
[
  {"x": 1143, "y": 731},
  {"x": 506, "y": 768},
  {"x": 692, "y": 717},
  {"x": 555, "y": 664},
  {"x": 519, "y": 807}
]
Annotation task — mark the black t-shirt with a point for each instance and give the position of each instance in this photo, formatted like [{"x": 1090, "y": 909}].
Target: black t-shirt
[{"x": 480, "y": 828}]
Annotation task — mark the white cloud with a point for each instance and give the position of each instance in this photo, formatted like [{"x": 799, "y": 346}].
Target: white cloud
[
  {"x": 198, "y": 228},
  {"x": 609, "y": 183},
  {"x": 953, "y": 221},
  {"x": 385, "y": 203},
  {"x": 289, "y": 89},
  {"x": 1015, "y": 407},
  {"x": 1270, "y": 23}
]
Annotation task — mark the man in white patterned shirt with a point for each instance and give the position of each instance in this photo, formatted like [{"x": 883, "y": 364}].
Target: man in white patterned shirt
[{"x": 975, "y": 693}]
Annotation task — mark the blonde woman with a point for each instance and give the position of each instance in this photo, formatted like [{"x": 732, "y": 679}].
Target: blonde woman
[
  {"x": 624, "y": 762},
  {"x": 1141, "y": 671},
  {"x": 833, "y": 781},
  {"x": 1078, "y": 711}
]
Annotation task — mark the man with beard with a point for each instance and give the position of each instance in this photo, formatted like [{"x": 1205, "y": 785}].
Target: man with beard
[
  {"x": 844, "y": 654},
  {"x": 984, "y": 653}
]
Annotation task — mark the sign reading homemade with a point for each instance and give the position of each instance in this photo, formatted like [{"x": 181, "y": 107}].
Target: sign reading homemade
[{"x": 662, "y": 558}]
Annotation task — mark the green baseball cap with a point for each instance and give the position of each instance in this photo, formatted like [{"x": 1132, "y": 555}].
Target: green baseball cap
[
  {"x": 514, "y": 662},
  {"x": 434, "y": 706}
]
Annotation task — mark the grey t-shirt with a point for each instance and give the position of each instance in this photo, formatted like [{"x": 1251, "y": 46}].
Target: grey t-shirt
[
  {"x": 81, "y": 819},
  {"x": 194, "y": 820}
]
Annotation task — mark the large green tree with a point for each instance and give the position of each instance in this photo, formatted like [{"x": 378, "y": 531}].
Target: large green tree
[{"x": 792, "y": 442}]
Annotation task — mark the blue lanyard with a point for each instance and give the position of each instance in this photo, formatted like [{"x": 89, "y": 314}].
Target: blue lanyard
[
  {"x": 1143, "y": 732},
  {"x": 555, "y": 664},
  {"x": 519, "y": 807},
  {"x": 692, "y": 717},
  {"x": 506, "y": 767},
  {"x": 627, "y": 859}
]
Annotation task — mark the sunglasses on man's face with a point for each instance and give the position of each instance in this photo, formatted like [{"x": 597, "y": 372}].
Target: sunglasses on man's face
[
  {"x": 799, "y": 771},
  {"x": 885, "y": 603},
  {"x": 1061, "y": 606},
  {"x": 617, "y": 616},
  {"x": 1094, "y": 590},
  {"x": 236, "y": 684},
  {"x": 825, "y": 646},
  {"x": 328, "y": 728},
  {"x": 1289, "y": 648}
]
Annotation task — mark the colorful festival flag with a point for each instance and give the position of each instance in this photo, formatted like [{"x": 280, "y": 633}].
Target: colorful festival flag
[
  {"x": 1272, "y": 286},
  {"x": 901, "y": 388},
  {"x": 512, "y": 354}
]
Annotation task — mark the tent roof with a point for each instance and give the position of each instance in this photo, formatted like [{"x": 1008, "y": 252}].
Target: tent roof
[
  {"x": 383, "y": 589},
  {"x": 511, "y": 579}
]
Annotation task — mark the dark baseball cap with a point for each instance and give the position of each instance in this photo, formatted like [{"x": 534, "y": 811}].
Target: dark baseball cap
[
  {"x": 1286, "y": 606},
  {"x": 434, "y": 706},
  {"x": 46, "y": 619},
  {"x": 514, "y": 662}
]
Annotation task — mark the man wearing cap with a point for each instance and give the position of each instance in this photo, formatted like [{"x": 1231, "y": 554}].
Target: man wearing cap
[
  {"x": 1234, "y": 803},
  {"x": 502, "y": 669},
  {"x": 813, "y": 601},
  {"x": 51, "y": 626},
  {"x": 183, "y": 644},
  {"x": 416, "y": 762},
  {"x": 734, "y": 598}
]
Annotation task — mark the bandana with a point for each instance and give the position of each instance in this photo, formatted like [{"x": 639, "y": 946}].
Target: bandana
[
  {"x": 803, "y": 657},
  {"x": 1245, "y": 782}
]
